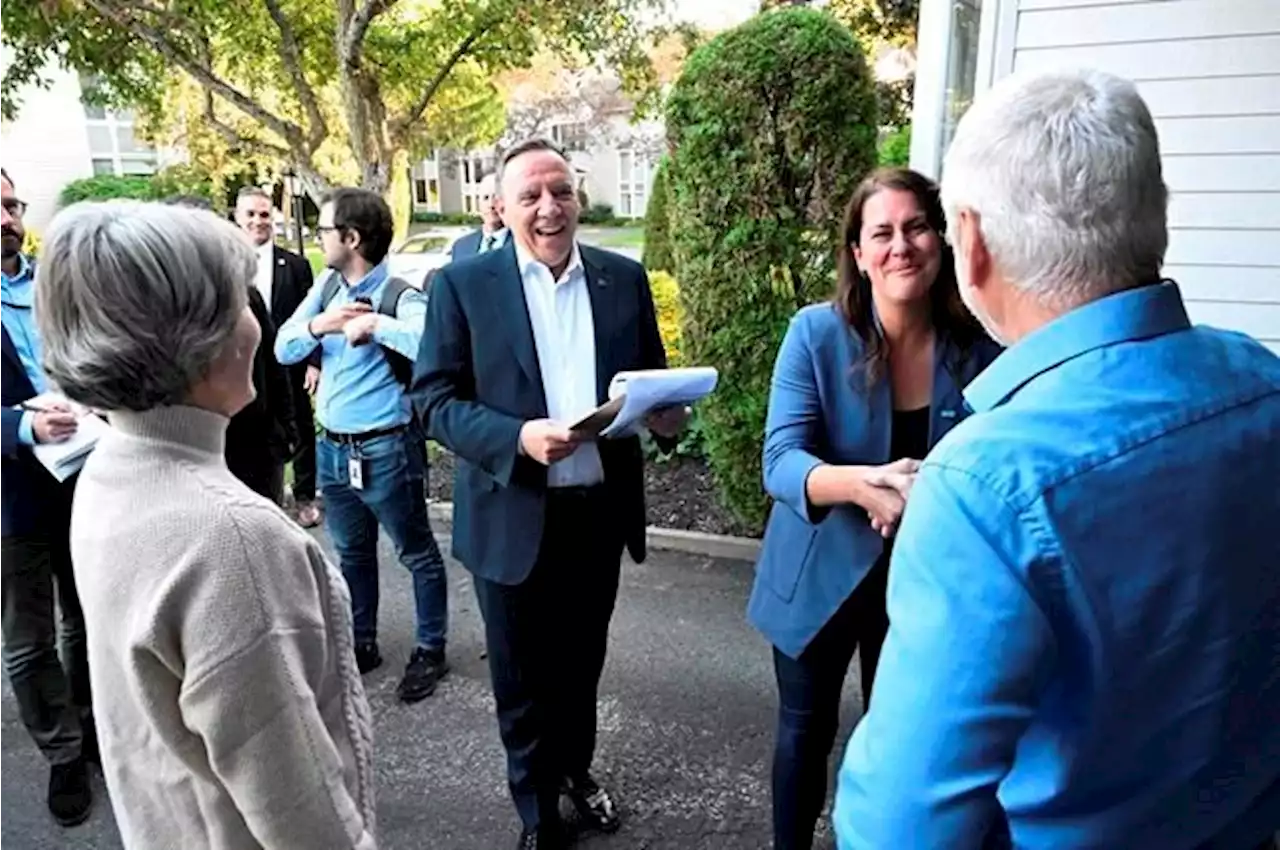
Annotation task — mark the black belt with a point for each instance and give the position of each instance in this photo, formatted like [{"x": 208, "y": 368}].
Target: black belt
[{"x": 355, "y": 439}]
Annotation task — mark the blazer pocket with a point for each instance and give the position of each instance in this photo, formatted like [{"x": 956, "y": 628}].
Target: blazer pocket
[{"x": 785, "y": 551}]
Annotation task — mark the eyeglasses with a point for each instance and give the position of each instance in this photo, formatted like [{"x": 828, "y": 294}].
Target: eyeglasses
[{"x": 14, "y": 207}]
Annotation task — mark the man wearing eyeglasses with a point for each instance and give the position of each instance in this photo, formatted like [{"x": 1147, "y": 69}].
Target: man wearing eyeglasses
[
  {"x": 284, "y": 279},
  {"x": 52, "y": 693}
]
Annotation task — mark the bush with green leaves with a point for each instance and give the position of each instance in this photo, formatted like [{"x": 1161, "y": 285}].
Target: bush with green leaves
[
  {"x": 657, "y": 224},
  {"x": 177, "y": 180},
  {"x": 771, "y": 127},
  {"x": 895, "y": 148}
]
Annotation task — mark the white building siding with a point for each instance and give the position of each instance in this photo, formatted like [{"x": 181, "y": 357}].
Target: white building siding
[
  {"x": 47, "y": 146},
  {"x": 1210, "y": 72}
]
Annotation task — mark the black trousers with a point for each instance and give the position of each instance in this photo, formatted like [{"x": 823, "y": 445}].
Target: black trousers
[
  {"x": 809, "y": 706},
  {"x": 41, "y": 606},
  {"x": 304, "y": 462},
  {"x": 547, "y": 639}
]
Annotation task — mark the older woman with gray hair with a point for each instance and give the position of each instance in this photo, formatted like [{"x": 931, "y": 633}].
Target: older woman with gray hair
[{"x": 230, "y": 711}]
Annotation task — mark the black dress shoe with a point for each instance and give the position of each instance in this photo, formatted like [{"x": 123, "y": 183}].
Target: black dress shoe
[
  {"x": 367, "y": 657},
  {"x": 595, "y": 808},
  {"x": 69, "y": 796},
  {"x": 424, "y": 671}
]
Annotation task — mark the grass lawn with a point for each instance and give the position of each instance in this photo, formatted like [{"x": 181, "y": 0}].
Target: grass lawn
[{"x": 614, "y": 237}]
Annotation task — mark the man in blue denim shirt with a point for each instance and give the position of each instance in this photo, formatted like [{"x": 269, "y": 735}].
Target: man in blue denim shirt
[
  {"x": 370, "y": 458},
  {"x": 1085, "y": 592}
]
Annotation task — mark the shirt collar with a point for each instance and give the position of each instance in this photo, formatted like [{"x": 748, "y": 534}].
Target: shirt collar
[
  {"x": 1133, "y": 314},
  {"x": 370, "y": 281},
  {"x": 21, "y": 281},
  {"x": 526, "y": 262},
  {"x": 498, "y": 236},
  {"x": 267, "y": 249}
]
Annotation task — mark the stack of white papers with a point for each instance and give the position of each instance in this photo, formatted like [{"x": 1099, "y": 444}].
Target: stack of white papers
[
  {"x": 634, "y": 395},
  {"x": 66, "y": 458}
]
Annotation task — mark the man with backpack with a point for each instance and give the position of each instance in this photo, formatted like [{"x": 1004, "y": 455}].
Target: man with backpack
[{"x": 370, "y": 458}]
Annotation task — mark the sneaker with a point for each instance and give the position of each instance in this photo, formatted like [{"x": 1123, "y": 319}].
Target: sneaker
[
  {"x": 595, "y": 808},
  {"x": 368, "y": 658},
  {"x": 69, "y": 796},
  {"x": 424, "y": 671}
]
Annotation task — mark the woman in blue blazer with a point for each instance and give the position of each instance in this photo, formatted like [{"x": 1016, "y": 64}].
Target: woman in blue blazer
[{"x": 863, "y": 386}]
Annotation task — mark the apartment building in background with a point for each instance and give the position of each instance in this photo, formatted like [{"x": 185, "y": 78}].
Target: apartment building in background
[
  {"x": 613, "y": 162},
  {"x": 57, "y": 138}
]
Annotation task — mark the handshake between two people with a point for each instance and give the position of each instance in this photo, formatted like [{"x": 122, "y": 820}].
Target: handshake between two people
[
  {"x": 548, "y": 441},
  {"x": 884, "y": 491}
]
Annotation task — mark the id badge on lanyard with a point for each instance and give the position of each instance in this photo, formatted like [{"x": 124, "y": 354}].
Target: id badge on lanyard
[{"x": 355, "y": 469}]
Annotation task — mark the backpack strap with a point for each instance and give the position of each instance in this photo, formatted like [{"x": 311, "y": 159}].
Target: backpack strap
[
  {"x": 391, "y": 293},
  {"x": 331, "y": 284}
]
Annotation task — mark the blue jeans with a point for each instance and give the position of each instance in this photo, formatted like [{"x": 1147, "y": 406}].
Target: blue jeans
[{"x": 393, "y": 496}]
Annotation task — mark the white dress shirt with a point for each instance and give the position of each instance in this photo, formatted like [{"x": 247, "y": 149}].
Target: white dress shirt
[
  {"x": 565, "y": 338},
  {"x": 266, "y": 271}
]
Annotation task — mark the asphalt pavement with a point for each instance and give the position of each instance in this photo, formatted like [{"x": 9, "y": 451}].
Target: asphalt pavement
[{"x": 686, "y": 727}]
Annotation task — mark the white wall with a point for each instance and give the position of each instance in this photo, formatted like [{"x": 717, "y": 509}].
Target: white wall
[
  {"x": 1210, "y": 72},
  {"x": 47, "y": 146}
]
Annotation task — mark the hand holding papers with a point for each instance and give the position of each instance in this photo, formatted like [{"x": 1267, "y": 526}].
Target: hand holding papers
[
  {"x": 634, "y": 395},
  {"x": 64, "y": 459}
]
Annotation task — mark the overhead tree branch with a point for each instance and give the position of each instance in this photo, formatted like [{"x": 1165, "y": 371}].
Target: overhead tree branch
[
  {"x": 203, "y": 74},
  {"x": 414, "y": 113},
  {"x": 291, "y": 56},
  {"x": 235, "y": 138},
  {"x": 354, "y": 24}
]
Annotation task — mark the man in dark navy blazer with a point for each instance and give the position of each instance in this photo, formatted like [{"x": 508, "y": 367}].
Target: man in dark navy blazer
[
  {"x": 52, "y": 693},
  {"x": 492, "y": 234},
  {"x": 519, "y": 344},
  {"x": 284, "y": 278}
]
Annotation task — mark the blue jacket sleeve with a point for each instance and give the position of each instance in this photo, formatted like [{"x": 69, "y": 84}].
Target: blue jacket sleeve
[
  {"x": 959, "y": 676},
  {"x": 794, "y": 417},
  {"x": 443, "y": 389},
  {"x": 11, "y": 430}
]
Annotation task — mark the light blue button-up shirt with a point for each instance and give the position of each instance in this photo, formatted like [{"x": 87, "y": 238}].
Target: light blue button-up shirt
[
  {"x": 1085, "y": 602},
  {"x": 17, "y": 295},
  {"x": 358, "y": 391}
]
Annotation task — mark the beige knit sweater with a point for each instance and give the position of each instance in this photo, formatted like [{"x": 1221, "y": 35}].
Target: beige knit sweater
[{"x": 229, "y": 708}]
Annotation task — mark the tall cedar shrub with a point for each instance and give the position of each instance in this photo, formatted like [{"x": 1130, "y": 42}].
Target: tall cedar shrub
[
  {"x": 657, "y": 224},
  {"x": 770, "y": 128}
]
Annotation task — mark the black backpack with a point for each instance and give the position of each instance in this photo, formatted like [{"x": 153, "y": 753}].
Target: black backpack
[{"x": 401, "y": 366}]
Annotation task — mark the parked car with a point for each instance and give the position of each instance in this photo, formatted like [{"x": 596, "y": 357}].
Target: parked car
[{"x": 419, "y": 255}]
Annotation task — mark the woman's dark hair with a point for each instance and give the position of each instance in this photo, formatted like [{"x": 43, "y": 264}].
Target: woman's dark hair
[{"x": 853, "y": 288}]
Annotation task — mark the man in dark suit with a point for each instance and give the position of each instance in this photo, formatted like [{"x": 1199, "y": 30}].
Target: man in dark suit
[
  {"x": 519, "y": 344},
  {"x": 52, "y": 694},
  {"x": 491, "y": 234},
  {"x": 283, "y": 279}
]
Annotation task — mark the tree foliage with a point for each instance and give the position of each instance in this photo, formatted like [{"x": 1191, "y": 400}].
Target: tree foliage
[
  {"x": 657, "y": 224},
  {"x": 340, "y": 90},
  {"x": 770, "y": 128}
]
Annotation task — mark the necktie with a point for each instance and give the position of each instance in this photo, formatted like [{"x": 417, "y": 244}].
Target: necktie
[{"x": 486, "y": 244}]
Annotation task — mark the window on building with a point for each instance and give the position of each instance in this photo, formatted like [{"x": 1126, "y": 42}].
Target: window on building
[
  {"x": 114, "y": 147},
  {"x": 570, "y": 136},
  {"x": 635, "y": 171},
  {"x": 962, "y": 65}
]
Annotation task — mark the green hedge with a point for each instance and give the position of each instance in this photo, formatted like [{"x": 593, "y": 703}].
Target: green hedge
[
  {"x": 657, "y": 224},
  {"x": 895, "y": 148},
  {"x": 445, "y": 218},
  {"x": 177, "y": 180},
  {"x": 771, "y": 127}
]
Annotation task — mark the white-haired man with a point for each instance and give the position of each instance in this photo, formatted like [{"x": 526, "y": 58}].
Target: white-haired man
[
  {"x": 1085, "y": 591},
  {"x": 492, "y": 233}
]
